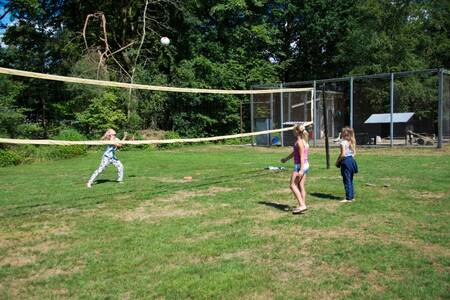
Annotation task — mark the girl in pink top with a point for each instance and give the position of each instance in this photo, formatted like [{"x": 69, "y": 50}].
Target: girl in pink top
[{"x": 301, "y": 167}]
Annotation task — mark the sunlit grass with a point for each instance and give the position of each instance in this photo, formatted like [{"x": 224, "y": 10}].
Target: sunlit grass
[{"x": 228, "y": 233}]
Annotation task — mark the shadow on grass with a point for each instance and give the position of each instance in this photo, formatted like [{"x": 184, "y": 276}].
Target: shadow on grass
[
  {"x": 87, "y": 200},
  {"x": 279, "y": 206},
  {"x": 101, "y": 181},
  {"x": 325, "y": 196}
]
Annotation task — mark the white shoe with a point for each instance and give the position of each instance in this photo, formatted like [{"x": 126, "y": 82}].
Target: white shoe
[
  {"x": 89, "y": 185},
  {"x": 345, "y": 201}
]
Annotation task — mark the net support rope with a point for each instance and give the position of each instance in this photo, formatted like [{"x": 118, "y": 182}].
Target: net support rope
[
  {"x": 144, "y": 142},
  {"x": 145, "y": 87}
]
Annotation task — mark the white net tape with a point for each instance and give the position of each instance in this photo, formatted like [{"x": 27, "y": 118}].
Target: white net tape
[
  {"x": 145, "y": 87},
  {"x": 144, "y": 142}
]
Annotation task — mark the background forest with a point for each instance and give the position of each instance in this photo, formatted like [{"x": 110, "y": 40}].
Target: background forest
[{"x": 229, "y": 44}]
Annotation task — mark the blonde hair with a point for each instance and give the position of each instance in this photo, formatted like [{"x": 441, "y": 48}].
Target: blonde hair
[
  {"x": 299, "y": 130},
  {"x": 108, "y": 134},
  {"x": 349, "y": 135}
]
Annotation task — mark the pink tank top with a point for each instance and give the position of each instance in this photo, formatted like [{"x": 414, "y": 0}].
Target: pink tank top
[{"x": 297, "y": 155}]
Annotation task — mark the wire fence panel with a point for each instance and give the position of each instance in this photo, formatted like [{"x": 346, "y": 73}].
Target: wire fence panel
[
  {"x": 446, "y": 109},
  {"x": 416, "y": 96},
  {"x": 388, "y": 109}
]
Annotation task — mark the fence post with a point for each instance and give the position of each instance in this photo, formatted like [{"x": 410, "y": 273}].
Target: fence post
[
  {"x": 252, "y": 119},
  {"x": 271, "y": 119},
  {"x": 392, "y": 110},
  {"x": 315, "y": 115},
  {"x": 440, "y": 107},
  {"x": 281, "y": 114},
  {"x": 351, "y": 102},
  {"x": 325, "y": 123}
]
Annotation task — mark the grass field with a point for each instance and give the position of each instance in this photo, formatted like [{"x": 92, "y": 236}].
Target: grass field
[{"x": 229, "y": 233}]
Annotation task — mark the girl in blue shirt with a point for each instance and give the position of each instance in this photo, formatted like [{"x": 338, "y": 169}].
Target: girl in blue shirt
[
  {"x": 347, "y": 163},
  {"x": 109, "y": 157}
]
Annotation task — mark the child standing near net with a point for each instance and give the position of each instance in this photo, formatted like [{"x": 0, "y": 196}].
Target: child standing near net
[
  {"x": 347, "y": 163},
  {"x": 301, "y": 167},
  {"x": 109, "y": 157}
]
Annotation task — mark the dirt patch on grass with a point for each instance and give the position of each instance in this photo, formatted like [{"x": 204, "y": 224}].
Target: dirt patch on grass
[
  {"x": 17, "y": 259},
  {"x": 169, "y": 180},
  {"x": 152, "y": 209},
  {"x": 18, "y": 287},
  {"x": 185, "y": 195},
  {"x": 18, "y": 255},
  {"x": 224, "y": 221},
  {"x": 427, "y": 195}
]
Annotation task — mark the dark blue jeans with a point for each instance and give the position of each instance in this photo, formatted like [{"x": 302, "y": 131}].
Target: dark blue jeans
[{"x": 348, "y": 168}]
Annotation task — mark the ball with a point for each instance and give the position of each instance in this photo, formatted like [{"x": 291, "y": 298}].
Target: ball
[{"x": 165, "y": 40}]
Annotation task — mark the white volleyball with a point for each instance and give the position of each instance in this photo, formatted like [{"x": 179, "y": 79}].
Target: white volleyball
[{"x": 165, "y": 40}]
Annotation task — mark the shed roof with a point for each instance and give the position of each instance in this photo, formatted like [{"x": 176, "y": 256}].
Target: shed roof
[{"x": 386, "y": 118}]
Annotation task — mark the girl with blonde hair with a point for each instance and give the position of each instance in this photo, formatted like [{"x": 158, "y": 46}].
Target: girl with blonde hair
[
  {"x": 347, "y": 163},
  {"x": 301, "y": 167},
  {"x": 109, "y": 157}
]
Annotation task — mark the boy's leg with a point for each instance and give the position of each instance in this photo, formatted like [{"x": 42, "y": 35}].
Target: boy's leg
[
  {"x": 103, "y": 164},
  {"x": 346, "y": 178},
  {"x": 119, "y": 167}
]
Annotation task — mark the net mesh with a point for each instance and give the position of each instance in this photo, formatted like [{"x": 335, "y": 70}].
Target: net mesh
[{"x": 152, "y": 93}]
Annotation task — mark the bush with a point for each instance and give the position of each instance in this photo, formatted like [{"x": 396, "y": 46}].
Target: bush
[
  {"x": 8, "y": 158},
  {"x": 67, "y": 134},
  {"x": 20, "y": 154},
  {"x": 170, "y": 135}
]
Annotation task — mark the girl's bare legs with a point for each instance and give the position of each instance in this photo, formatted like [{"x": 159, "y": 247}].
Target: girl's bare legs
[
  {"x": 295, "y": 182},
  {"x": 301, "y": 185}
]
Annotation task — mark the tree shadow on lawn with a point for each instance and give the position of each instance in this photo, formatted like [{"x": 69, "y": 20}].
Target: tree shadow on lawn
[{"x": 325, "y": 196}]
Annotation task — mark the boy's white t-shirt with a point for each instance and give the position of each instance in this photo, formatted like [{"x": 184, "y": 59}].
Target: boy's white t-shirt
[
  {"x": 347, "y": 150},
  {"x": 110, "y": 150}
]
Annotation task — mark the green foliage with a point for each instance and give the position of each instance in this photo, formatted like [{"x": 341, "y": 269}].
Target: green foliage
[
  {"x": 229, "y": 44},
  {"x": 30, "y": 130},
  {"x": 22, "y": 154},
  {"x": 68, "y": 134},
  {"x": 170, "y": 135},
  {"x": 9, "y": 157},
  {"x": 11, "y": 116},
  {"x": 102, "y": 113}
]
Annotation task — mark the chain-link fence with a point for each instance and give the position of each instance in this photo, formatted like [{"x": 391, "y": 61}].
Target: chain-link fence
[{"x": 392, "y": 109}]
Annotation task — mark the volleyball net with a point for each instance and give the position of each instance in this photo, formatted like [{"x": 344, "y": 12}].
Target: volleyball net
[{"x": 153, "y": 89}]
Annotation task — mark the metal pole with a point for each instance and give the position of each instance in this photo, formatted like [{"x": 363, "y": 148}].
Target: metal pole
[
  {"x": 392, "y": 110},
  {"x": 271, "y": 119},
  {"x": 305, "y": 111},
  {"x": 440, "y": 108},
  {"x": 252, "y": 120},
  {"x": 351, "y": 102},
  {"x": 242, "y": 131},
  {"x": 327, "y": 145},
  {"x": 289, "y": 107},
  {"x": 281, "y": 114},
  {"x": 315, "y": 115}
]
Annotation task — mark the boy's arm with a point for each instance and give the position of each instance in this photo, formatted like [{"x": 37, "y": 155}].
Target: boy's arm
[
  {"x": 285, "y": 159},
  {"x": 341, "y": 156},
  {"x": 125, "y": 134}
]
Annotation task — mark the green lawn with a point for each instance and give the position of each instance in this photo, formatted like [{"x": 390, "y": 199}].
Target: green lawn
[{"x": 229, "y": 233}]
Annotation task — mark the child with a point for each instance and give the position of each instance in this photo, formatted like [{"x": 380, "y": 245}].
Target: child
[
  {"x": 301, "y": 167},
  {"x": 109, "y": 157},
  {"x": 347, "y": 163}
]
